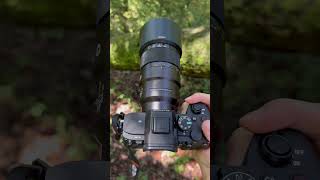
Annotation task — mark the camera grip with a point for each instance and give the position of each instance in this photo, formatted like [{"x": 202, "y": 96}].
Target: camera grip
[
  {"x": 190, "y": 135},
  {"x": 285, "y": 154}
]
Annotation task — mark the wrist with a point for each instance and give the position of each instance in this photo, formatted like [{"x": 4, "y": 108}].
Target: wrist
[{"x": 205, "y": 170}]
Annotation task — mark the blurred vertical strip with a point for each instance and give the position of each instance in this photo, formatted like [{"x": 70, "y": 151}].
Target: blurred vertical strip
[
  {"x": 102, "y": 75},
  {"x": 218, "y": 78}
]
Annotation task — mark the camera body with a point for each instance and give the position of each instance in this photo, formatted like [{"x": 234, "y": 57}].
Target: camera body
[{"x": 165, "y": 129}]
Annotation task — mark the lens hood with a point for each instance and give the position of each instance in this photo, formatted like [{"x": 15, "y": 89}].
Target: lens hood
[{"x": 160, "y": 30}]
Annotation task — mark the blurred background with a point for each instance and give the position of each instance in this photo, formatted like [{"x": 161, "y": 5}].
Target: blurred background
[
  {"x": 127, "y": 17},
  {"x": 47, "y": 88}
]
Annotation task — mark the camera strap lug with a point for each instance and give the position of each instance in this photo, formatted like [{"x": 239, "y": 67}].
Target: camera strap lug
[
  {"x": 36, "y": 171},
  {"x": 117, "y": 125},
  {"x": 135, "y": 165}
]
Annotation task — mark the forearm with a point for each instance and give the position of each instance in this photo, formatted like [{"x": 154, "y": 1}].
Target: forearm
[{"x": 205, "y": 170}]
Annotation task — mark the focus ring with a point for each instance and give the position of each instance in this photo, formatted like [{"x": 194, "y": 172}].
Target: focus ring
[{"x": 166, "y": 53}]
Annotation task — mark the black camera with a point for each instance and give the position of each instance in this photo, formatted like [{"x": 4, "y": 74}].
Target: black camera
[{"x": 159, "y": 126}]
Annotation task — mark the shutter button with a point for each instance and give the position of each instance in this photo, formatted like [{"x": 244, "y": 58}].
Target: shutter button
[
  {"x": 196, "y": 108},
  {"x": 276, "y": 150}
]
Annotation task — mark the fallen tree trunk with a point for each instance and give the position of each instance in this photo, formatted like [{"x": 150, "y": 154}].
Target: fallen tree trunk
[{"x": 286, "y": 25}]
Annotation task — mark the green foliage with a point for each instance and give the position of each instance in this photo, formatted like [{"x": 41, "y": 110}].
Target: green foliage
[
  {"x": 49, "y": 12},
  {"x": 127, "y": 17},
  {"x": 61, "y": 123},
  {"x": 143, "y": 175},
  {"x": 257, "y": 76},
  {"x": 121, "y": 178},
  {"x": 285, "y": 24},
  {"x": 193, "y": 85},
  {"x": 81, "y": 144},
  {"x": 6, "y": 91},
  {"x": 180, "y": 163},
  {"x": 37, "y": 109}
]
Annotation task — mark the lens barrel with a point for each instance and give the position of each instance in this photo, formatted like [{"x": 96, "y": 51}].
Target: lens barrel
[
  {"x": 160, "y": 53},
  {"x": 160, "y": 30}
]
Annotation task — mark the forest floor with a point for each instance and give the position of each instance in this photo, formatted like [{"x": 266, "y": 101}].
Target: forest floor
[{"x": 31, "y": 138}]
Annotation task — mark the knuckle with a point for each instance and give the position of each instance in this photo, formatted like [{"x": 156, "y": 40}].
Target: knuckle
[{"x": 276, "y": 103}]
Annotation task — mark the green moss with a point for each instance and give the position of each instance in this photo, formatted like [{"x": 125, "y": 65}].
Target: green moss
[
  {"x": 270, "y": 23},
  {"x": 180, "y": 163}
]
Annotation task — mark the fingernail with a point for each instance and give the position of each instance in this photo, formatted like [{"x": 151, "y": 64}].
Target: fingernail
[
  {"x": 206, "y": 122},
  {"x": 187, "y": 99},
  {"x": 246, "y": 118}
]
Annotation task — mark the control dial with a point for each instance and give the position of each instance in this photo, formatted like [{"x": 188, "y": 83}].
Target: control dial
[
  {"x": 196, "y": 108},
  {"x": 184, "y": 123},
  {"x": 238, "y": 176},
  {"x": 276, "y": 150}
]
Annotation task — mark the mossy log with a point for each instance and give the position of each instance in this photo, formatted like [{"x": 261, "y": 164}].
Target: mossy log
[{"x": 287, "y": 25}]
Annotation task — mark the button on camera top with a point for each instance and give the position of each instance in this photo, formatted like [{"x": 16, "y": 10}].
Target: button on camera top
[
  {"x": 276, "y": 150},
  {"x": 196, "y": 108},
  {"x": 278, "y": 145}
]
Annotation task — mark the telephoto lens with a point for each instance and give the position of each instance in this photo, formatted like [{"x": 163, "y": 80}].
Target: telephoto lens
[
  {"x": 159, "y": 126},
  {"x": 160, "y": 53}
]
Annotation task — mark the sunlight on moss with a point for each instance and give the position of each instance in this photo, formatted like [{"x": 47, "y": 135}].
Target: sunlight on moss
[
  {"x": 37, "y": 109},
  {"x": 180, "y": 163}
]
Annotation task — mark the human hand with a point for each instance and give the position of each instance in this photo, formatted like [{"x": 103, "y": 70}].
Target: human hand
[
  {"x": 286, "y": 113},
  {"x": 202, "y": 156}
]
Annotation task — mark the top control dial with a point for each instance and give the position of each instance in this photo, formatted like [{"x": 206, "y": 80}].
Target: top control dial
[
  {"x": 238, "y": 176},
  {"x": 196, "y": 108},
  {"x": 276, "y": 150},
  {"x": 184, "y": 123}
]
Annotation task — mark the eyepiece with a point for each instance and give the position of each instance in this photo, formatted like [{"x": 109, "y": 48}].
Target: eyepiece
[{"x": 160, "y": 30}]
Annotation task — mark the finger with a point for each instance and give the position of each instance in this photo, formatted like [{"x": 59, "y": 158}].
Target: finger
[
  {"x": 263, "y": 121},
  {"x": 274, "y": 115},
  {"x": 199, "y": 97},
  {"x": 237, "y": 146},
  {"x": 284, "y": 113},
  {"x": 206, "y": 129}
]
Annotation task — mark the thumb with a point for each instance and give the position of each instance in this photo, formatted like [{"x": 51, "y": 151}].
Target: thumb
[
  {"x": 274, "y": 115},
  {"x": 206, "y": 129},
  {"x": 285, "y": 113},
  {"x": 260, "y": 121}
]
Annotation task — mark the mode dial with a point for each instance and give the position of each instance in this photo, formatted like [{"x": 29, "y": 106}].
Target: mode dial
[{"x": 184, "y": 123}]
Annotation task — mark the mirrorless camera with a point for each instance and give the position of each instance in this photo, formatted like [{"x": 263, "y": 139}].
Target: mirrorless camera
[{"x": 159, "y": 126}]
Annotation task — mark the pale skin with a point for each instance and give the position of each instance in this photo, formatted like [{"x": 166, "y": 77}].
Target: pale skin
[
  {"x": 274, "y": 115},
  {"x": 202, "y": 156},
  {"x": 286, "y": 113}
]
